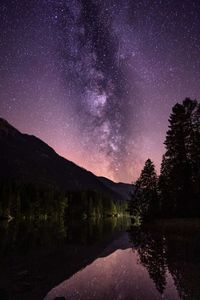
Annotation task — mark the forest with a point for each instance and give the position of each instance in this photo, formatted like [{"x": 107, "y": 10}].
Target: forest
[
  {"x": 41, "y": 202},
  {"x": 176, "y": 191}
]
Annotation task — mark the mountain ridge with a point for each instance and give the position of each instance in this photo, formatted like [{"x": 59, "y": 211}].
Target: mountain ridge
[
  {"x": 124, "y": 189},
  {"x": 26, "y": 158}
]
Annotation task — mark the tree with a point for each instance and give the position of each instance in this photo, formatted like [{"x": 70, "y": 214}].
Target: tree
[
  {"x": 167, "y": 207},
  {"x": 144, "y": 202},
  {"x": 195, "y": 152},
  {"x": 176, "y": 155},
  {"x": 179, "y": 180}
]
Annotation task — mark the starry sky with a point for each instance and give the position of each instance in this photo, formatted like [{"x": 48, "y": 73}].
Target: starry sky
[{"x": 96, "y": 79}]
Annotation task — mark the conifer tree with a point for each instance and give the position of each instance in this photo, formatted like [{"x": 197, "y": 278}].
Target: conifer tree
[
  {"x": 195, "y": 153},
  {"x": 179, "y": 180},
  {"x": 144, "y": 202}
]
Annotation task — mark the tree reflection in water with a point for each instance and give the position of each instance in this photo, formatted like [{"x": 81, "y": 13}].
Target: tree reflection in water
[
  {"x": 165, "y": 260},
  {"x": 173, "y": 247}
]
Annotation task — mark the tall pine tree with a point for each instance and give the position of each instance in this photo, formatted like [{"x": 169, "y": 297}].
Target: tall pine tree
[
  {"x": 144, "y": 202},
  {"x": 179, "y": 179}
]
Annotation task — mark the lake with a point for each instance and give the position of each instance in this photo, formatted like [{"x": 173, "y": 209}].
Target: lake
[{"x": 100, "y": 259}]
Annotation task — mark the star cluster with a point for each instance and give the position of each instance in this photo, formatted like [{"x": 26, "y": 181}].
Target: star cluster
[{"x": 96, "y": 79}]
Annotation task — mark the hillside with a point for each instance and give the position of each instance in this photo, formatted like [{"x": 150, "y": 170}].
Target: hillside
[
  {"x": 26, "y": 158},
  {"x": 123, "y": 189}
]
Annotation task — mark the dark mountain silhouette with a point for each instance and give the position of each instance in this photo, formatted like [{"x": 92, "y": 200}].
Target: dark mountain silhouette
[
  {"x": 124, "y": 189},
  {"x": 25, "y": 158}
]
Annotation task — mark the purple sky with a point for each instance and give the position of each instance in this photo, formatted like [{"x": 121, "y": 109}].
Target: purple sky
[{"x": 96, "y": 80}]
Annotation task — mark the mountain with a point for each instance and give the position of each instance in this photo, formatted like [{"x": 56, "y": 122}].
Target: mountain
[
  {"x": 123, "y": 189},
  {"x": 28, "y": 159}
]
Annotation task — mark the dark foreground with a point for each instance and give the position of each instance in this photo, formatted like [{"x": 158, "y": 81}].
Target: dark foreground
[{"x": 100, "y": 260}]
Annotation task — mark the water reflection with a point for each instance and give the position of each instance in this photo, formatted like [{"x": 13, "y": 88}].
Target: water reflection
[
  {"x": 116, "y": 276},
  {"x": 31, "y": 249},
  {"x": 25, "y": 236},
  {"x": 151, "y": 250},
  {"x": 100, "y": 259},
  {"x": 172, "y": 247},
  {"x": 159, "y": 261}
]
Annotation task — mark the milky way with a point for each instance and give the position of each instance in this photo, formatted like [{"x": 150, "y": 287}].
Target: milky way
[{"x": 96, "y": 79}]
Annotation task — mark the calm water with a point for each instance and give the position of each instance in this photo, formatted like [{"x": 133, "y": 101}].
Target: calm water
[{"x": 100, "y": 260}]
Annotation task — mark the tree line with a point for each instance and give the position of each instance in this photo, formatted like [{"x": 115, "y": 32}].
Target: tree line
[
  {"x": 176, "y": 192},
  {"x": 18, "y": 199}
]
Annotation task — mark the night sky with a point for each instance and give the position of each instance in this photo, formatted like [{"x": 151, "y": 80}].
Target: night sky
[{"x": 96, "y": 79}]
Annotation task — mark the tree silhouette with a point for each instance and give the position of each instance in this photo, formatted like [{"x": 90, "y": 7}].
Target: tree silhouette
[
  {"x": 144, "y": 200},
  {"x": 179, "y": 179}
]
